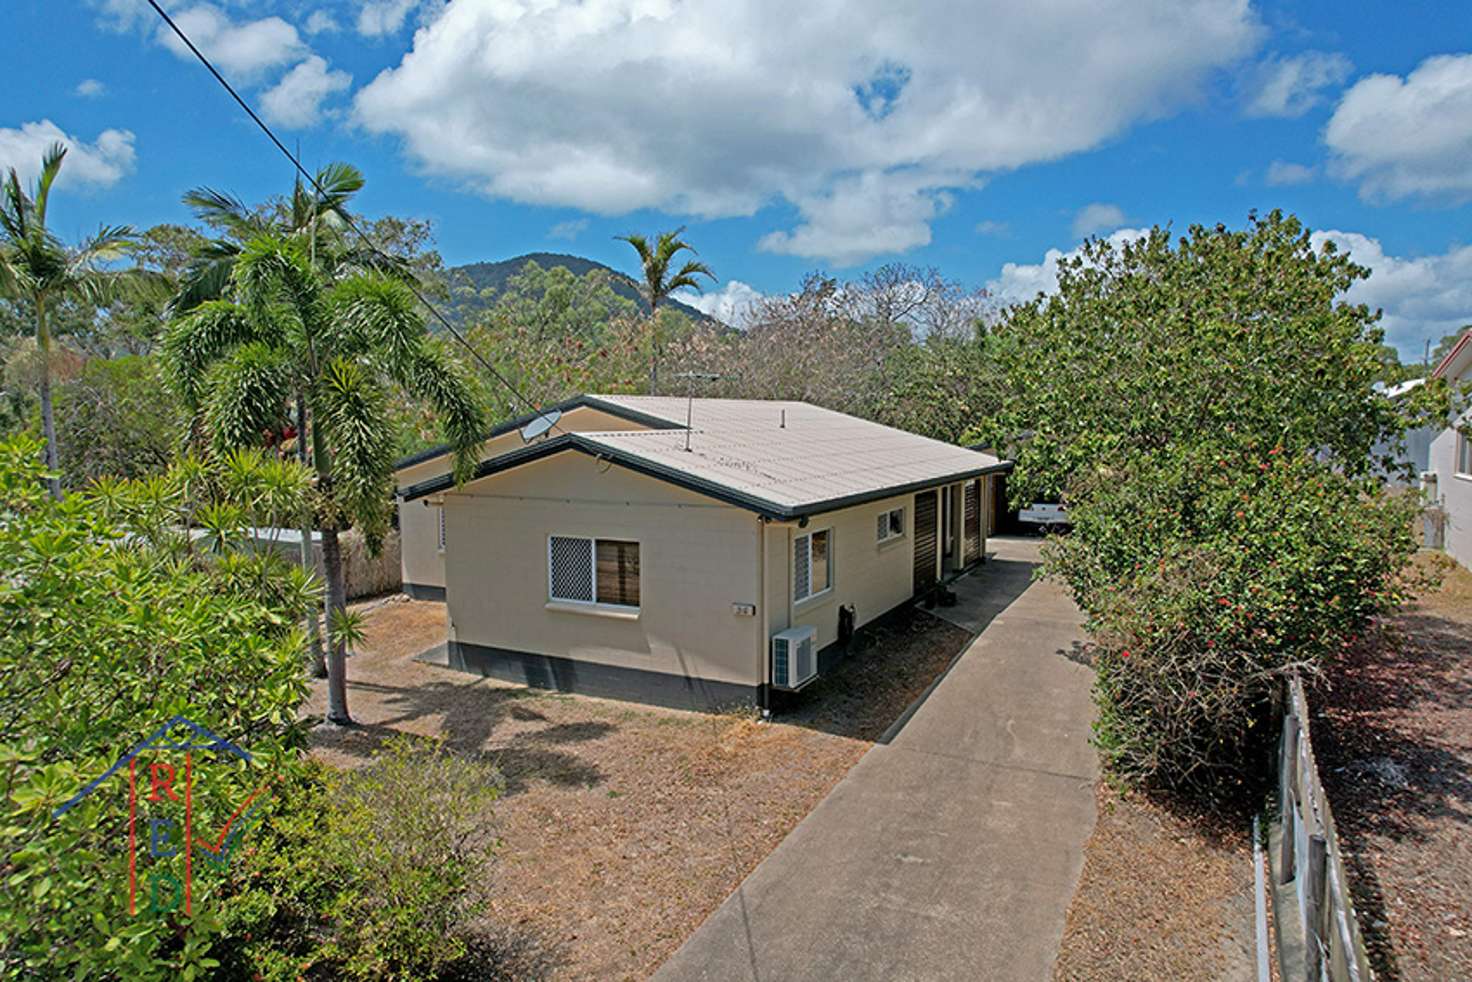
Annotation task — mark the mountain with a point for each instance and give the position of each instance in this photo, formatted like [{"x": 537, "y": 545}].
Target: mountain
[{"x": 494, "y": 276}]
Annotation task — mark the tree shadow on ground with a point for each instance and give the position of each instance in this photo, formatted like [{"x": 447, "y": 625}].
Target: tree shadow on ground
[
  {"x": 506, "y": 952},
  {"x": 1379, "y": 729},
  {"x": 1390, "y": 732},
  {"x": 893, "y": 663},
  {"x": 469, "y": 717}
]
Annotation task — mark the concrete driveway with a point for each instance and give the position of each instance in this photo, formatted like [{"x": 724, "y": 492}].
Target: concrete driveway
[{"x": 951, "y": 851}]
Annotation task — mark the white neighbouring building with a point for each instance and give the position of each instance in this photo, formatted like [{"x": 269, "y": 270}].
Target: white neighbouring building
[{"x": 1451, "y": 457}]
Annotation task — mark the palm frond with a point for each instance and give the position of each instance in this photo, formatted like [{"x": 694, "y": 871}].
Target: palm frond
[
  {"x": 352, "y": 413},
  {"x": 430, "y": 374},
  {"x": 371, "y": 312},
  {"x": 338, "y": 182},
  {"x": 248, "y": 395},
  {"x": 50, "y": 167},
  {"x": 193, "y": 342},
  {"x": 224, "y": 211}
]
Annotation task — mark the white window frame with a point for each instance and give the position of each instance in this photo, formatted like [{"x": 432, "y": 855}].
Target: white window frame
[
  {"x": 807, "y": 538},
  {"x": 595, "y": 603},
  {"x": 1462, "y": 453},
  {"x": 441, "y": 517},
  {"x": 890, "y": 534}
]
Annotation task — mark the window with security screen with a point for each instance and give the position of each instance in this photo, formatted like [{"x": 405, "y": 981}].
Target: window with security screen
[
  {"x": 891, "y": 525},
  {"x": 593, "y": 571},
  {"x": 812, "y": 564}
]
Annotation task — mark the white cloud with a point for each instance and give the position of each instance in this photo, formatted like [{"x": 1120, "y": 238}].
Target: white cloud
[
  {"x": 243, "y": 51},
  {"x": 321, "y": 22},
  {"x": 616, "y": 105},
  {"x": 874, "y": 214},
  {"x": 1097, "y": 217},
  {"x": 731, "y": 304},
  {"x": 1290, "y": 87},
  {"x": 990, "y": 227},
  {"x": 1423, "y": 297},
  {"x": 569, "y": 229},
  {"x": 101, "y": 163},
  {"x": 1404, "y": 137},
  {"x": 382, "y": 17},
  {"x": 296, "y": 100},
  {"x": 1282, "y": 173},
  {"x": 1019, "y": 282},
  {"x": 90, "y": 88}
]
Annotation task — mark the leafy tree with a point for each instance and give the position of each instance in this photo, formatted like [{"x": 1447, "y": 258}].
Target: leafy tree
[
  {"x": 1207, "y": 408},
  {"x": 37, "y": 268},
  {"x": 116, "y": 417},
  {"x": 554, "y": 334},
  {"x": 286, "y": 338},
  {"x": 658, "y": 282},
  {"x": 112, "y": 621}
]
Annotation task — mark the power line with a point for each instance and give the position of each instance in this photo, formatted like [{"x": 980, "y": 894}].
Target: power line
[{"x": 347, "y": 218}]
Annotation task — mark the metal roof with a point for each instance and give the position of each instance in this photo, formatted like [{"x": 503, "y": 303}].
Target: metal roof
[{"x": 781, "y": 459}]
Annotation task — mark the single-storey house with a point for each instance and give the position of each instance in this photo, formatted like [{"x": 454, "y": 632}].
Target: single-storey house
[
  {"x": 1451, "y": 459},
  {"x": 621, "y": 553}
]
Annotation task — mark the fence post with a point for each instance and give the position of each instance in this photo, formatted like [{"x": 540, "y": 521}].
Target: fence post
[
  {"x": 1316, "y": 869},
  {"x": 1287, "y": 796}
]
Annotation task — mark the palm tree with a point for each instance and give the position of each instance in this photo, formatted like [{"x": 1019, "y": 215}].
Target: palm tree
[
  {"x": 37, "y": 269},
  {"x": 285, "y": 336},
  {"x": 658, "y": 283},
  {"x": 318, "y": 218}
]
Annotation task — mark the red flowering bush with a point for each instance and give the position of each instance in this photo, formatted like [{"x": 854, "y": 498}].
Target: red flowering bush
[
  {"x": 1207, "y": 407},
  {"x": 1202, "y": 590}
]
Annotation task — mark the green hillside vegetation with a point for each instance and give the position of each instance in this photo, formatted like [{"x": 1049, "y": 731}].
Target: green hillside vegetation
[{"x": 475, "y": 287}]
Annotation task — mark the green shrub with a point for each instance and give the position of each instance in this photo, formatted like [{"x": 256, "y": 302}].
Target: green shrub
[
  {"x": 377, "y": 873},
  {"x": 1204, "y": 586},
  {"x": 1208, "y": 409},
  {"x": 111, "y": 623}
]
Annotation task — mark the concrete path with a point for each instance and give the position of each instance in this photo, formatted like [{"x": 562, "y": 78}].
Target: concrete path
[{"x": 952, "y": 850}]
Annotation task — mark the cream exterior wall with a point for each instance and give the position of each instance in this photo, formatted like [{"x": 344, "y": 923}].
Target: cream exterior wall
[
  {"x": 421, "y": 559},
  {"x": 697, "y": 558},
  {"x": 874, "y": 577},
  {"x": 1455, "y": 494}
]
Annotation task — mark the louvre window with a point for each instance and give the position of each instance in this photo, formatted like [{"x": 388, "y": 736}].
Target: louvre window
[
  {"x": 812, "y": 564},
  {"x": 1464, "y": 454},
  {"x": 891, "y": 524},
  {"x": 441, "y": 515},
  {"x": 584, "y": 570}
]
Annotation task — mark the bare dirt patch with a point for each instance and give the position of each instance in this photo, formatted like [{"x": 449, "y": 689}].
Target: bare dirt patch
[
  {"x": 1393, "y": 735},
  {"x": 624, "y": 826},
  {"x": 1166, "y": 893}
]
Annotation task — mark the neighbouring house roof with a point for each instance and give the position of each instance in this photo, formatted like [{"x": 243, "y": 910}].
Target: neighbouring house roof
[
  {"x": 1458, "y": 361},
  {"x": 576, "y": 402},
  {"x": 780, "y": 459}
]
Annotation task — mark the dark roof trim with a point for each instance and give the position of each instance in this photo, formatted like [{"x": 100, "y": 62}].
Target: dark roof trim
[
  {"x": 566, "y": 405},
  {"x": 720, "y": 492}
]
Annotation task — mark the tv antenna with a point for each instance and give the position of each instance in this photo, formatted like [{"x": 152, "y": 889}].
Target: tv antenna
[
  {"x": 540, "y": 425},
  {"x": 691, "y": 378}
]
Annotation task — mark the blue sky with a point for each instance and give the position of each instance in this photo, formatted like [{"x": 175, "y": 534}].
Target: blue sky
[{"x": 984, "y": 138}]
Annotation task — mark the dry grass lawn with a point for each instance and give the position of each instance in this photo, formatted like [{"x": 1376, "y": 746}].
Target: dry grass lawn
[
  {"x": 624, "y": 826},
  {"x": 1164, "y": 894}
]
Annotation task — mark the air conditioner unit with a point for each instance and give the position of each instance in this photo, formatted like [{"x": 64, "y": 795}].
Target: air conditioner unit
[{"x": 794, "y": 657}]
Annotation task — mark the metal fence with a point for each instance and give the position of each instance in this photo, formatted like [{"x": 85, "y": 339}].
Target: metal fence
[{"x": 1309, "y": 859}]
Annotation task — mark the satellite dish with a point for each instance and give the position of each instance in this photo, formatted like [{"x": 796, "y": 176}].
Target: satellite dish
[{"x": 540, "y": 425}]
